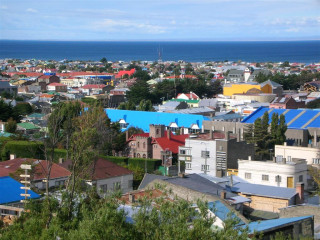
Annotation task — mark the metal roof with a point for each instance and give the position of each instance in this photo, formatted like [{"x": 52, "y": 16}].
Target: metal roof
[
  {"x": 263, "y": 190},
  {"x": 10, "y": 191}
]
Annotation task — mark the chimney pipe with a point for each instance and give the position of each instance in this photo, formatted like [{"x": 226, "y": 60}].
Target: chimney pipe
[
  {"x": 13, "y": 156},
  {"x": 300, "y": 192},
  {"x": 223, "y": 194},
  {"x": 61, "y": 160},
  {"x": 249, "y": 158},
  {"x": 131, "y": 198}
]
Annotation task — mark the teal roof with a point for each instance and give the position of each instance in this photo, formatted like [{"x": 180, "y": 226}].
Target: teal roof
[
  {"x": 28, "y": 126},
  {"x": 36, "y": 115},
  {"x": 184, "y": 100},
  {"x": 142, "y": 119},
  {"x": 5, "y": 134},
  {"x": 222, "y": 212}
]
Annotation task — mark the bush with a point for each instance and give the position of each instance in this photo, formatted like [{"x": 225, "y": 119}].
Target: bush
[
  {"x": 117, "y": 160},
  {"x": 22, "y": 149},
  {"x": 145, "y": 163}
]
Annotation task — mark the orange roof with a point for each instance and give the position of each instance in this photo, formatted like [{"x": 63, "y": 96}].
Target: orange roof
[{"x": 47, "y": 95}]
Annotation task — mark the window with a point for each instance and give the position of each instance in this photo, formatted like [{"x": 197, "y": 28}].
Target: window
[
  {"x": 144, "y": 156},
  {"x": 265, "y": 177},
  {"x": 301, "y": 178},
  {"x": 205, "y": 167},
  {"x": 104, "y": 188},
  {"x": 220, "y": 148},
  {"x": 138, "y": 144},
  {"x": 289, "y": 159},
  {"x": 188, "y": 166},
  {"x": 144, "y": 145},
  {"x": 205, "y": 154},
  {"x": 247, "y": 175},
  {"x": 316, "y": 160},
  {"x": 59, "y": 183},
  {"x": 116, "y": 186},
  {"x": 278, "y": 178},
  {"x": 182, "y": 151}
]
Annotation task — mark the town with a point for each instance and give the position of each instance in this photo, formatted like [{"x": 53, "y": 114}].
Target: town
[{"x": 239, "y": 142}]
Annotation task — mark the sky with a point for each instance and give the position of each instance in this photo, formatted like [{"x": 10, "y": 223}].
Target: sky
[{"x": 181, "y": 20}]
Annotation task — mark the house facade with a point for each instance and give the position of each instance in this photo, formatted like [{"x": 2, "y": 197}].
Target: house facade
[{"x": 281, "y": 172}]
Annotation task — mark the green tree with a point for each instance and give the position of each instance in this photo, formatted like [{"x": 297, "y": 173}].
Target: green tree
[
  {"x": 5, "y": 111},
  {"x": 103, "y": 60},
  {"x": 282, "y": 128},
  {"x": 127, "y": 106},
  {"x": 145, "y": 105},
  {"x": 138, "y": 92},
  {"x": 11, "y": 126}
]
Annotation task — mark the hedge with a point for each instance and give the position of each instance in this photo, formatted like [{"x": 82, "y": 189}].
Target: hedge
[
  {"x": 22, "y": 149},
  {"x": 150, "y": 164},
  {"x": 28, "y": 149}
]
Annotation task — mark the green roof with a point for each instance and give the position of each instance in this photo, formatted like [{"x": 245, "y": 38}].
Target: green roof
[
  {"x": 183, "y": 100},
  {"x": 5, "y": 134},
  {"x": 28, "y": 126}
]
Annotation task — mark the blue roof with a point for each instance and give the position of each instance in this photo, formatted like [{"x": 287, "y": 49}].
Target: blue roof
[
  {"x": 273, "y": 223},
  {"x": 290, "y": 115},
  {"x": 142, "y": 119},
  {"x": 222, "y": 212},
  {"x": 263, "y": 190},
  {"x": 10, "y": 191}
]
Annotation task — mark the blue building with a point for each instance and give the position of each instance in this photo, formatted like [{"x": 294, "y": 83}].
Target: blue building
[{"x": 139, "y": 119}]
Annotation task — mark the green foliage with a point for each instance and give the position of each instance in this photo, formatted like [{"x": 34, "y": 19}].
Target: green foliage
[
  {"x": 145, "y": 163},
  {"x": 313, "y": 104},
  {"x": 127, "y": 106},
  {"x": 89, "y": 101},
  {"x": 23, "y": 149},
  {"x": 103, "y": 60},
  {"x": 11, "y": 126},
  {"x": 138, "y": 92},
  {"x": 117, "y": 160},
  {"x": 145, "y": 105}
]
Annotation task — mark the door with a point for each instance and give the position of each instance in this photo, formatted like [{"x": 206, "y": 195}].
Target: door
[{"x": 290, "y": 182}]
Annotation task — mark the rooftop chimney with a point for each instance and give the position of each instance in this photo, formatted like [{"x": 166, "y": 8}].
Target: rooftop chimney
[
  {"x": 249, "y": 158},
  {"x": 223, "y": 194},
  {"x": 131, "y": 198},
  {"x": 13, "y": 156},
  {"x": 300, "y": 191},
  {"x": 61, "y": 160}
]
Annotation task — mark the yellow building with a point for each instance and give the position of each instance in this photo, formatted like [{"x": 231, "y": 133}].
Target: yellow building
[{"x": 242, "y": 88}]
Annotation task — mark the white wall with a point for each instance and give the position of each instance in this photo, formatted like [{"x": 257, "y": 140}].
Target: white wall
[
  {"x": 52, "y": 183},
  {"x": 307, "y": 153},
  {"x": 196, "y": 147},
  {"x": 259, "y": 168},
  {"x": 125, "y": 180}
]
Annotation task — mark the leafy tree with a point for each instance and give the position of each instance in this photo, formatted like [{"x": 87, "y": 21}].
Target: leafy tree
[
  {"x": 258, "y": 65},
  {"x": 21, "y": 109},
  {"x": 103, "y": 60},
  {"x": 285, "y": 64},
  {"x": 11, "y": 126},
  {"x": 142, "y": 75},
  {"x": 138, "y": 92},
  {"x": 145, "y": 105},
  {"x": 282, "y": 128},
  {"x": 313, "y": 104},
  {"x": 127, "y": 106},
  {"x": 5, "y": 111}
]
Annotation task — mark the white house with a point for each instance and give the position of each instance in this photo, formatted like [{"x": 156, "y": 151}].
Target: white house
[
  {"x": 280, "y": 172},
  {"x": 311, "y": 154}
]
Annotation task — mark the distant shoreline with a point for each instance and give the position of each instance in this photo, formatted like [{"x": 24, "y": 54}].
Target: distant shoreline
[{"x": 305, "y": 51}]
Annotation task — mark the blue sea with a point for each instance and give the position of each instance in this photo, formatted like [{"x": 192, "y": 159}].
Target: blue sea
[{"x": 292, "y": 51}]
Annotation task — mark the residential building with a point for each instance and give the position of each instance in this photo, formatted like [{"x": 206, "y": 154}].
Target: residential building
[
  {"x": 107, "y": 177},
  {"x": 311, "y": 153},
  {"x": 281, "y": 172},
  {"x": 5, "y": 86},
  {"x": 27, "y": 128},
  {"x": 45, "y": 80},
  {"x": 268, "y": 198},
  {"x": 57, "y": 87},
  {"x": 157, "y": 144},
  {"x": 58, "y": 174},
  {"x": 286, "y": 103},
  {"x": 213, "y": 153},
  {"x": 94, "y": 89},
  {"x": 188, "y": 96},
  {"x": 235, "y": 75}
]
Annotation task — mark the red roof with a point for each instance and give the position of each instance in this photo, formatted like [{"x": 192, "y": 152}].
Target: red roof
[
  {"x": 173, "y": 143},
  {"x": 120, "y": 74},
  {"x": 73, "y": 74},
  {"x": 28, "y": 74},
  {"x": 56, "y": 84},
  {"x": 13, "y": 165},
  {"x": 90, "y": 86},
  {"x": 190, "y": 96},
  {"x": 103, "y": 169}
]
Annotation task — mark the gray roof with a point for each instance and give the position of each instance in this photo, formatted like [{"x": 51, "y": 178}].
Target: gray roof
[
  {"x": 148, "y": 178},
  {"x": 194, "y": 110},
  {"x": 6, "y": 84},
  {"x": 263, "y": 190},
  {"x": 208, "y": 102},
  {"x": 272, "y": 83},
  {"x": 235, "y": 71}
]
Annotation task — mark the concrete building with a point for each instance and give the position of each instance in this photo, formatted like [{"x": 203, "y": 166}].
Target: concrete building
[
  {"x": 213, "y": 153},
  {"x": 281, "y": 172},
  {"x": 57, "y": 87},
  {"x": 311, "y": 153}
]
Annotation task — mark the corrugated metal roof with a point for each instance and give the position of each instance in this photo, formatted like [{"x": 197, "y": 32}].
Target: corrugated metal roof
[
  {"x": 10, "y": 191},
  {"x": 263, "y": 190},
  {"x": 142, "y": 119}
]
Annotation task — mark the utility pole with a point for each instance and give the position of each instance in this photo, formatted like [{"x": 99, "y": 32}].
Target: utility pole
[{"x": 26, "y": 182}]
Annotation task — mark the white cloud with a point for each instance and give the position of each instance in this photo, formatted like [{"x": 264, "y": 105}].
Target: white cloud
[
  {"x": 4, "y": 7},
  {"x": 125, "y": 25},
  {"x": 32, "y": 10}
]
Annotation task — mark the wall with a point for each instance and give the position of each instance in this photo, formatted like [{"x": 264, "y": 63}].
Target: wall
[
  {"x": 196, "y": 147},
  {"x": 126, "y": 183},
  {"x": 262, "y": 98},
  {"x": 229, "y": 90},
  {"x": 259, "y": 168},
  {"x": 52, "y": 183},
  {"x": 307, "y": 153}
]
